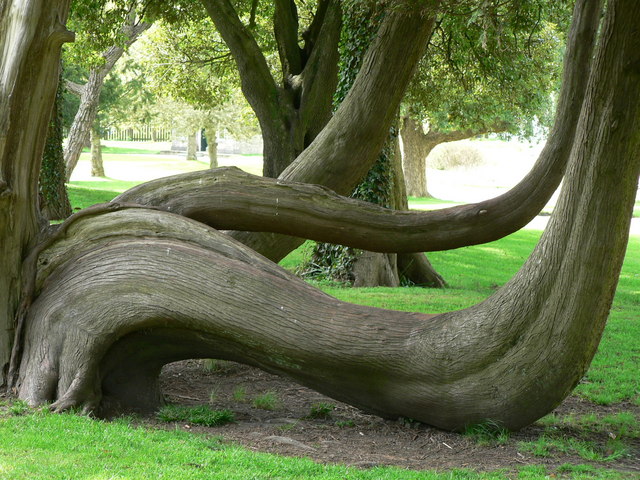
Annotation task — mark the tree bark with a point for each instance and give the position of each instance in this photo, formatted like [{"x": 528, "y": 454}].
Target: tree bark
[
  {"x": 192, "y": 146},
  {"x": 97, "y": 167},
  {"x": 89, "y": 99},
  {"x": 212, "y": 147},
  {"x": 31, "y": 33},
  {"x": 359, "y": 127}
]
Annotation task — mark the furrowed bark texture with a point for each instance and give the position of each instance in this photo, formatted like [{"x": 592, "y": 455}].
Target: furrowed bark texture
[
  {"x": 31, "y": 33},
  {"x": 116, "y": 282}
]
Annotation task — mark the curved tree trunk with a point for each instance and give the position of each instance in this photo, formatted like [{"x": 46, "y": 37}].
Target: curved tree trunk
[
  {"x": 491, "y": 219},
  {"x": 510, "y": 359},
  {"x": 97, "y": 167},
  {"x": 27, "y": 90},
  {"x": 108, "y": 285},
  {"x": 112, "y": 302}
]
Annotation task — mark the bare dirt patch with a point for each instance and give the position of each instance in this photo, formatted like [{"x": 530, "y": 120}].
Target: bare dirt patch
[{"x": 349, "y": 436}]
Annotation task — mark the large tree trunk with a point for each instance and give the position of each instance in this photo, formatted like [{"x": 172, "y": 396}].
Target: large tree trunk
[
  {"x": 90, "y": 94},
  {"x": 31, "y": 34},
  {"x": 97, "y": 166}
]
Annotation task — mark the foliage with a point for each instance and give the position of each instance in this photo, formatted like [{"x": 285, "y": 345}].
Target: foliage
[
  {"x": 266, "y": 401},
  {"x": 321, "y": 410},
  {"x": 491, "y": 66},
  {"x": 98, "y": 26},
  {"x": 200, "y": 415},
  {"x": 189, "y": 68},
  {"x": 52, "y": 171}
]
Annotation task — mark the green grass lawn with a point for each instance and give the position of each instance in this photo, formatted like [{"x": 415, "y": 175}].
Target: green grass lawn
[{"x": 46, "y": 446}]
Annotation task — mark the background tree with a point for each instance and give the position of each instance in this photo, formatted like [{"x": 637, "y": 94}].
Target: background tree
[
  {"x": 492, "y": 68},
  {"x": 188, "y": 62},
  {"x": 108, "y": 28}
]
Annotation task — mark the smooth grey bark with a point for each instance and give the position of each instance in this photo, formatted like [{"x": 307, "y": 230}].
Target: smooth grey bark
[
  {"x": 293, "y": 111},
  {"x": 510, "y": 359},
  {"x": 212, "y": 146},
  {"x": 192, "y": 146},
  {"x": 28, "y": 80},
  {"x": 97, "y": 166},
  {"x": 90, "y": 93}
]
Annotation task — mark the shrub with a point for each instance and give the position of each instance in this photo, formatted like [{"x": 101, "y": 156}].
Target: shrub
[{"x": 453, "y": 155}]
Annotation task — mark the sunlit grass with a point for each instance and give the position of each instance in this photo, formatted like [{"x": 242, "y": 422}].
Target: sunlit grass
[{"x": 43, "y": 446}]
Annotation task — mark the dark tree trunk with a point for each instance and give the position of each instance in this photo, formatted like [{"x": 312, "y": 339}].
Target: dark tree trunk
[
  {"x": 54, "y": 200},
  {"x": 293, "y": 112},
  {"x": 97, "y": 167},
  {"x": 32, "y": 35}
]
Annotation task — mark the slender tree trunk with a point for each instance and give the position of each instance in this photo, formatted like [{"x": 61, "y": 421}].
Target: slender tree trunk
[
  {"x": 90, "y": 95},
  {"x": 212, "y": 147},
  {"x": 31, "y": 33},
  {"x": 54, "y": 200},
  {"x": 97, "y": 167},
  {"x": 80, "y": 130},
  {"x": 192, "y": 146}
]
